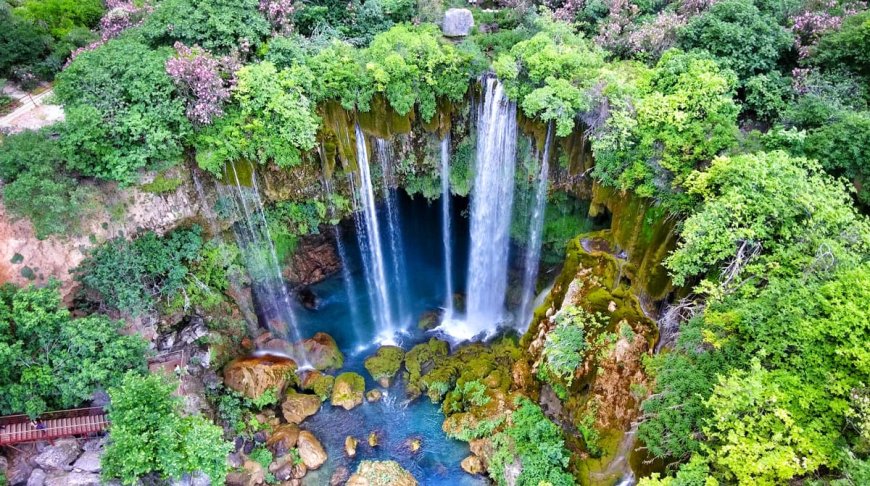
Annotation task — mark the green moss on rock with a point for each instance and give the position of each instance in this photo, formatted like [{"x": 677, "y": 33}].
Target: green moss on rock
[
  {"x": 385, "y": 363},
  {"x": 348, "y": 390}
]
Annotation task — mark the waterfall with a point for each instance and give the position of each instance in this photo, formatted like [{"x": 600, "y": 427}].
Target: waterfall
[
  {"x": 252, "y": 234},
  {"x": 394, "y": 230},
  {"x": 370, "y": 243},
  {"x": 445, "y": 226},
  {"x": 349, "y": 287},
  {"x": 533, "y": 246},
  {"x": 491, "y": 204}
]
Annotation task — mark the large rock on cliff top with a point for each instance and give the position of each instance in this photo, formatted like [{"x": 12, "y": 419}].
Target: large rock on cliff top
[
  {"x": 384, "y": 364},
  {"x": 253, "y": 376},
  {"x": 381, "y": 473},
  {"x": 457, "y": 22},
  {"x": 299, "y": 406},
  {"x": 348, "y": 390},
  {"x": 310, "y": 450}
]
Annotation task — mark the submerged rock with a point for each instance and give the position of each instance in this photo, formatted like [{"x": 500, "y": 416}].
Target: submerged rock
[
  {"x": 373, "y": 439},
  {"x": 429, "y": 320},
  {"x": 457, "y": 22},
  {"x": 253, "y": 376},
  {"x": 350, "y": 444},
  {"x": 310, "y": 450},
  {"x": 415, "y": 444},
  {"x": 381, "y": 473},
  {"x": 348, "y": 390},
  {"x": 299, "y": 406},
  {"x": 384, "y": 364}
]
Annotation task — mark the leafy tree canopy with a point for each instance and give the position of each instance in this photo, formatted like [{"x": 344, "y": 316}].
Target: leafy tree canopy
[
  {"x": 49, "y": 360},
  {"x": 122, "y": 114},
  {"x": 148, "y": 436}
]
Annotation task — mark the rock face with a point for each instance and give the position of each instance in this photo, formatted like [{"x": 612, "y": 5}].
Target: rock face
[
  {"x": 310, "y": 450},
  {"x": 253, "y": 376},
  {"x": 457, "y": 22},
  {"x": 59, "y": 456},
  {"x": 348, "y": 390},
  {"x": 314, "y": 260},
  {"x": 89, "y": 461},
  {"x": 381, "y": 473},
  {"x": 384, "y": 364},
  {"x": 374, "y": 395},
  {"x": 299, "y": 406},
  {"x": 73, "y": 479}
]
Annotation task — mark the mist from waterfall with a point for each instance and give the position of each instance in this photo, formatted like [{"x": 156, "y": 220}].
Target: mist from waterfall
[
  {"x": 347, "y": 278},
  {"x": 445, "y": 226},
  {"x": 371, "y": 245},
  {"x": 491, "y": 205},
  {"x": 394, "y": 229},
  {"x": 533, "y": 245},
  {"x": 261, "y": 260}
]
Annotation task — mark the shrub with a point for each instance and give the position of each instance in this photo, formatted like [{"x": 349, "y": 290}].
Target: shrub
[
  {"x": 122, "y": 113},
  {"x": 219, "y": 26}
]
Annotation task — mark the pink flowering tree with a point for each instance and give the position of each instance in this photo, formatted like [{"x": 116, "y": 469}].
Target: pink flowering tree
[
  {"x": 279, "y": 13},
  {"x": 811, "y": 24},
  {"x": 120, "y": 15},
  {"x": 203, "y": 80}
]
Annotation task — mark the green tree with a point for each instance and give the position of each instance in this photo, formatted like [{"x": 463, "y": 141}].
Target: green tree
[
  {"x": 21, "y": 42},
  {"x": 219, "y": 26},
  {"x": 122, "y": 114},
  {"x": 739, "y": 35},
  {"x": 271, "y": 121},
  {"x": 847, "y": 47},
  {"x": 60, "y": 17},
  {"x": 49, "y": 360},
  {"x": 149, "y": 437}
]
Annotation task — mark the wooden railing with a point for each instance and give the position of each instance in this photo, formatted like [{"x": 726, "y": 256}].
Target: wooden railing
[{"x": 17, "y": 429}]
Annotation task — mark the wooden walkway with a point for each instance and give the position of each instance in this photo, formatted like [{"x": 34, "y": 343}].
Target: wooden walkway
[{"x": 17, "y": 429}]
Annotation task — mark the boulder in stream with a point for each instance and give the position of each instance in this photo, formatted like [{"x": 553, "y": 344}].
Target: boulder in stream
[
  {"x": 381, "y": 473},
  {"x": 348, "y": 390},
  {"x": 299, "y": 406},
  {"x": 322, "y": 352},
  {"x": 310, "y": 450},
  {"x": 384, "y": 364}
]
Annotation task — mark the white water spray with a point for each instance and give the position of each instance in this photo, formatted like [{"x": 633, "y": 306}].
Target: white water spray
[
  {"x": 445, "y": 226},
  {"x": 394, "y": 230},
  {"x": 533, "y": 246}
]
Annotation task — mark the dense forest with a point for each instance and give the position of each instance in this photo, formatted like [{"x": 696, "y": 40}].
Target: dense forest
[{"x": 704, "y": 243}]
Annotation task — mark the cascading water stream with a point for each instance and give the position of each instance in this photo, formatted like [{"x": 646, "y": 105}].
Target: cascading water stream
[
  {"x": 252, "y": 234},
  {"x": 491, "y": 205},
  {"x": 371, "y": 248},
  {"x": 533, "y": 246},
  {"x": 394, "y": 230},
  {"x": 445, "y": 226},
  {"x": 347, "y": 278}
]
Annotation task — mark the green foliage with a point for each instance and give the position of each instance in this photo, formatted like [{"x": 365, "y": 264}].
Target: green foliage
[
  {"x": 566, "y": 345},
  {"x": 289, "y": 220},
  {"x": 356, "y": 21},
  {"x": 683, "y": 118},
  {"x": 38, "y": 189},
  {"x": 49, "y": 360},
  {"x": 766, "y": 95},
  {"x": 133, "y": 276},
  {"x": 739, "y": 35},
  {"x": 752, "y": 436},
  {"x": 842, "y": 150},
  {"x": 550, "y": 74},
  {"x": 781, "y": 204},
  {"x": 220, "y": 26},
  {"x": 271, "y": 121},
  {"x": 162, "y": 184},
  {"x": 122, "y": 114},
  {"x": 322, "y": 386},
  {"x": 149, "y": 437},
  {"x": 62, "y": 16},
  {"x": 465, "y": 396},
  {"x": 537, "y": 443},
  {"x": 846, "y": 48},
  {"x": 22, "y": 43},
  {"x": 414, "y": 65},
  {"x": 462, "y": 167}
]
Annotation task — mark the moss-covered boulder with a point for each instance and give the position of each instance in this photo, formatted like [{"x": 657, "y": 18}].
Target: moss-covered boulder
[
  {"x": 423, "y": 357},
  {"x": 321, "y": 351},
  {"x": 254, "y": 376},
  {"x": 348, "y": 390},
  {"x": 385, "y": 363},
  {"x": 299, "y": 406},
  {"x": 318, "y": 383},
  {"x": 381, "y": 473}
]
